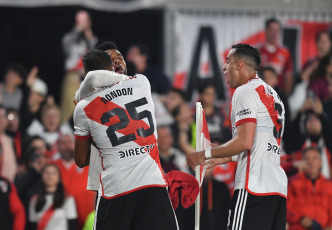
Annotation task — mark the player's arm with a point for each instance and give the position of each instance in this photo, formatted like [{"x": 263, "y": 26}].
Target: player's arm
[
  {"x": 82, "y": 136},
  {"x": 95, "y": 80},
  {"x": 82, "y": 152},
  {"x": 243, "y": 141}
]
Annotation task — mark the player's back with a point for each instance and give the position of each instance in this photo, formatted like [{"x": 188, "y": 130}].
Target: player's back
[
  {"x": 122, "y": 124},
  {"x": 259, "y": 169}
]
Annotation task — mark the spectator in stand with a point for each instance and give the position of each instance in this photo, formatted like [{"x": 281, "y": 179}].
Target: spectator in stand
[
  {"x": 35, "y": 159},
  {"x": 50, "y": 128},
  {"x": 36, "y": 93},
  {"x": 51, "y": 208},
  {"x": 328, "y": 103},
  {"x": 8, "y": 165},
  {"x": 309, "y": 201},
  {"x": 170, "y": 158},
  {"x": 323, "y": 45},
  {"x": 76, "y": 44},
  {"x": 184, "y": 129},
  {"x": 313, "y": 127},
  {"x": 174, "y": 98},
  {"x": 12, "y": 214},
  {"x": 277, "y": 56},
  {"x": 218, "y": 123},
  {"x": 74, "y": 179},
  {"x": 269, "y": 75},
  {"x": 10, "y": 92},
  {"x": 298, "y": 97},
  {"x": 139, "y": 55},
  {"x": 13, "y": 131},
  {"x": 319, "y": 80}
]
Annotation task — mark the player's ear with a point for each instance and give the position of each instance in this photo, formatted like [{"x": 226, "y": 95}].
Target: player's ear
[{"x": 239, "y": 64}]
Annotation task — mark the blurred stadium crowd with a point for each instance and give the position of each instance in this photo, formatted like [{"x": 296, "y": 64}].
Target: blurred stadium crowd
[{"x": 42, "y": 188}]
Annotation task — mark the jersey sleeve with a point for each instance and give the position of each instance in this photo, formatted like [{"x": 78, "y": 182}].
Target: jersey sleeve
[
  {"x": 245, "y": 105},
  {"x": 144, "y": 79},
  {"x": 96, "y": 80},
  {"x": 81, "y": 123}
]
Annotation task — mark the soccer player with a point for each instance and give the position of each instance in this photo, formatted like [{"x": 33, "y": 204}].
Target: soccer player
[
  {"x": 257, "y": 116},
  {"x": 119, "y": 64},
  {"x": 120, "y": 120}
]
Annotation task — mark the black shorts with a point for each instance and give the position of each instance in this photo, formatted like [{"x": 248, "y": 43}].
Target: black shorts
[
  {"x": 250, "y": 212},
  {"x": 145, "y": 209}
]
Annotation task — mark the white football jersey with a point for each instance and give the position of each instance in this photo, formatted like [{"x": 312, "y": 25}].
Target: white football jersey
[
  {"x": 259, "y": 170},
  {"x": 121, "y": 122}
]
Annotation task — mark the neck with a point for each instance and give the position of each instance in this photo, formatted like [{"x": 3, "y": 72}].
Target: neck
[
  {"x": 51, "y": 188},
  {"x": 248, "y": 76}
]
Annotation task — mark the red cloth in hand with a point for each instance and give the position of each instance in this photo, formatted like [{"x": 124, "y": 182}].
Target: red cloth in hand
[{"x": 184, "y": 184}]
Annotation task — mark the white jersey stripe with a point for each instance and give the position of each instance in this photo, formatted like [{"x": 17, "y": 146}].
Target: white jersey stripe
[
  {"x": 241, "y": 207},
  {"x": 244, "y": 208},
  {"x": 238, "y": 204},
  {"x": 96, "y": 213}
]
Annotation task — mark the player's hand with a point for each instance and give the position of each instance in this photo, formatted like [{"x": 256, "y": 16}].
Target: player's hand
[
  {"x": 32, "y": 76},
  {"x": 195, "y": 158},
  {"x": 74, "y": 100},
  {"x": 217, "y": 161},
  {"x": 306, "y": 222}
]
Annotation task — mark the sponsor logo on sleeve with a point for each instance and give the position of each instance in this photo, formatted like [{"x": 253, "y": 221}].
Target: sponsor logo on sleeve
[{"x": 243, "y": 112}]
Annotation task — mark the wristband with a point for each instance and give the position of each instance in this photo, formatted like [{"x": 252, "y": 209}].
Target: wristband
[{"x": 208, "y": 153}]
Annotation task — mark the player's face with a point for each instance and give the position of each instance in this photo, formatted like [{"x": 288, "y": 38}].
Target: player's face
[
  {"x": 230, "y": 71},
  {"x": 119, "y": 63}
]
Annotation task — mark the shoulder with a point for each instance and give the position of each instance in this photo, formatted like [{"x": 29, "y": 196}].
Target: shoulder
[{"x": 246, "y": 89}]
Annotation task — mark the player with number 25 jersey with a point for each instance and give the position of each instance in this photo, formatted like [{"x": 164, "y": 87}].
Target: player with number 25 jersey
[
  {"x": 259, "y": 170},
  {"x": 121, "y": 121}
]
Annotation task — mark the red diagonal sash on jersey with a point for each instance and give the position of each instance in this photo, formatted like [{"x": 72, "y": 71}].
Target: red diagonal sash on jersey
[
  {"x": 96, "y": 108},
  {"x": 45, "y": 219},
  {"x": 269, "y": 103}
]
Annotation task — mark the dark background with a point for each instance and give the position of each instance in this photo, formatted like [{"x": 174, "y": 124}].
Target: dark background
[{"x": 32, "y": 36}]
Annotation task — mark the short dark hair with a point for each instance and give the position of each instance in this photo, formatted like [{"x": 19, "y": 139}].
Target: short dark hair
[
  {"x": 204, "y": 86},
  {"x": 18, "y": 68},
  {"x": 181, "y": 93},
  {"x": 248, "y": 51},
  {"x": 269, "y": 21},
  {"x": 315, "y": 148},
  {"x": 96, "y": 60},
  {"x": 266, "y": 68},
  {"x": 107, "y": 46}
]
